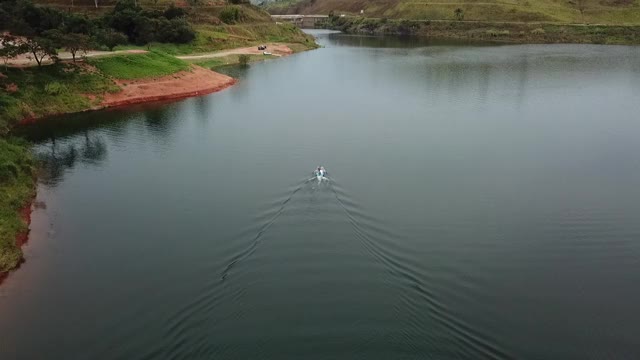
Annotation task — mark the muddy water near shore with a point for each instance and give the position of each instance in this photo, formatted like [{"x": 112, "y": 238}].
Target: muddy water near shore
[{"x": 483, "y": 203}]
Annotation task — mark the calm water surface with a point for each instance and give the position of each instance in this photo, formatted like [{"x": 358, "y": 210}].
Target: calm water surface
[{"x": 484, "y": 204}]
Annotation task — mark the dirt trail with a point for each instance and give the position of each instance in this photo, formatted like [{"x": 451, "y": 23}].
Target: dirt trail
[
  {"x": 198, "y": 81},
  {"x": 27, "y": 59},
  {"x": 273, "y": 48}
]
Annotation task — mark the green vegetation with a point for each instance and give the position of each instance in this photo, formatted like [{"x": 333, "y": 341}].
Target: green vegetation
[
  {"x": 492, "y": 31},
  {"x": 243, "y": 60},
  {"x": 43, "y": 30},
  {"x": 40, "y": 91},
  {"x": 610, "y": 12},
  {"x": 137, "y": 66},
  {"x": 64, "y": 87},
  {"x": 16, "y": 189},
  {"x": 210, "y": 38}
]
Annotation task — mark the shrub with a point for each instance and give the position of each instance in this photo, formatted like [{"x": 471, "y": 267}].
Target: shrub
[
  {"x": 243, "y": 59},
  {"x": 8, "y": 172},
  {"x": 55, "y": 88},
  {"x": 173, "y": 12},
  {"x": 495, "y": 33},
  {"x": 230, "y": 15},
  {"x": 111, "y": 38}
]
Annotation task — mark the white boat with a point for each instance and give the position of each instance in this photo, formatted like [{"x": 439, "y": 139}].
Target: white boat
[
  {"x": 266, "y": 53},
  {"x": 320, "y": 174}
]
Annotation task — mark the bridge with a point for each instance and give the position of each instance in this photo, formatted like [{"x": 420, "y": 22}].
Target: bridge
[{"x": 302, "y": 21}]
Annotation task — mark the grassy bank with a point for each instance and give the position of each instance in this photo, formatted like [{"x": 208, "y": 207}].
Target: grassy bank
[
  {"x": 491, "y": 31},
  {"x": 138, "y": 66},
  {"x": 211, "y": 38},
  {"x": 16, "y": 190},
  {"x": 53, "y": 89}
]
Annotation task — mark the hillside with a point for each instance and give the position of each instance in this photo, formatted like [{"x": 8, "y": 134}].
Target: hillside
[
  {"x": 611, "y": 12},
  {"x": 252, "y": 24}
]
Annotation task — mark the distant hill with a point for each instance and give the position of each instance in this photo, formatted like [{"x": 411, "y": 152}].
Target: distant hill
[
  {"x": 562, "y": 11},
  {"x": 203, "y": 11}
]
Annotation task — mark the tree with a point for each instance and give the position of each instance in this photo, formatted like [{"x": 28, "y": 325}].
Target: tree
[
  {"x": 243, "y": 59},
  {"x": 40, "y": 47},
  {"x": 229, "y": 15},
  {"x": 111, "y": 38},
  {"x": 10, "y": 47},
  {"x": 146, "y": 32},
  {"x": 173, "y": 12},
  {"x": 459, "y": 14},
  {"x": 75, "y": 43}
]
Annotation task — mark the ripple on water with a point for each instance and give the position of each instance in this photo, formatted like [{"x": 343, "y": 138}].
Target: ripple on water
[{"x": 368, "y": 259}]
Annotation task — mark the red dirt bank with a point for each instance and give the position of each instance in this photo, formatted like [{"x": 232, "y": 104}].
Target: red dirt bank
[{"x": 198, "y": 81}]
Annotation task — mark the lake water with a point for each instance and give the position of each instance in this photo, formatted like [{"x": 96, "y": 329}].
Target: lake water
[{"x": 484, "y": 203}]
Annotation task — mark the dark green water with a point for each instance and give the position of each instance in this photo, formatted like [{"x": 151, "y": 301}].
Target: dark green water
[{"x": 484, "y": 204}]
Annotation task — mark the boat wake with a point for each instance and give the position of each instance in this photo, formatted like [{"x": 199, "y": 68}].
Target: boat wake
[{"x": 313, "y": 212}]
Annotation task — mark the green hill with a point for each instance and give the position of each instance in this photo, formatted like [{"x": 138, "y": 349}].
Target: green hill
[{"x": 611, "y": 12}]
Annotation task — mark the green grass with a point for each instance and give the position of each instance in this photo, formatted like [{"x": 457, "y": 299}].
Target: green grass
[
  {"x": 211, "y": 38},
  {"x": 16, "y": 189},
  {"x": 138, "y": 66},
  {"x": 611, "y": 12},
  {"x": 493, "y": 31},
  {"x": 51, "y": 89}
]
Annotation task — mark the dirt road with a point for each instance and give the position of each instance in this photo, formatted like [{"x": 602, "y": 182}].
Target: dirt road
[
  {"x": 27, "y": 59},
  {"x": 274, "y": 49}
]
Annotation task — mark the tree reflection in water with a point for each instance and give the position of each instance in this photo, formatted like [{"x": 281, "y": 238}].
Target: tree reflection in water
[{"x": 56, "y": 157}]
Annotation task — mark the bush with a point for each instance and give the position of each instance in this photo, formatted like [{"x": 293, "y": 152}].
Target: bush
[
  {"x": 173, "y": 12},
  {"x": 176, "y": 30},
  {"x": 55, "y": 88},
  {"x": 8, "y": 172},
  {"x": 243, "y": 59},
  {"x": 111, "y": 38},
  {"x": 230, "y": 15},
  {"x": 496, "y": 33}
]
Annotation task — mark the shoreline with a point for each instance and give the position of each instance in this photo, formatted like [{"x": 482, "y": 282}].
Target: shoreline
[
  {"x": 495, "y": 32},
  {"x": 196, "y": 82},
  {"x": 21, "y": 238}
]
